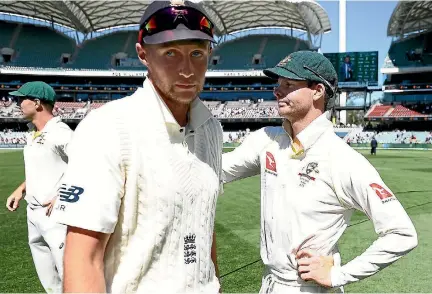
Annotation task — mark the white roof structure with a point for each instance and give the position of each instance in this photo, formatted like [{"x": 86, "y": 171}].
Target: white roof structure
[
  {"x": 410, "y": 17},
  {"x": 229, "y": 16}
]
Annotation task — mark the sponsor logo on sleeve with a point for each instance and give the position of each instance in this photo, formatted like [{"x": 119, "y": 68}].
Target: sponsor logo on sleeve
[
  {"x": 70, "y": 194},
  {"x": 270, "y": 163},
  {"x": 382, "y": 193}
]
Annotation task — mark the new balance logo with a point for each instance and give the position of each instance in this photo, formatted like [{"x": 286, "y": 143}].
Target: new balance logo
[{"x": 70, "y": 194}]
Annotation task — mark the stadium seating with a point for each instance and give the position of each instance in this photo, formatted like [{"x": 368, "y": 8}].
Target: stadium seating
[
  {"x": 99, "y": 53},
  {"x": 280, "y": 46},
  {"x": 39, "y": 46},
  {"x": 402, "y": 111},
  {"x": 415, "y": 45},
  {"x": 378, "y": 110},
  {"x": 14, "y": 138},
  {"x": 6, "y": 33},
  {"x": 69, "y": 110},
  {"x": 10, "y": 109},
  {"x": 272, "y": 48}
]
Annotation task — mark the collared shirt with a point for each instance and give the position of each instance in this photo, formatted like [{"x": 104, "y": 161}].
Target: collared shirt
[
  {"x": 136, "y": 174},
  {"x": 308, "y": 195},
  {"x": 45, "y": 158}
]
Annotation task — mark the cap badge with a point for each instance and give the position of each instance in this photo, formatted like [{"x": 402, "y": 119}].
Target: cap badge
[{"x": 285, "y": 61}]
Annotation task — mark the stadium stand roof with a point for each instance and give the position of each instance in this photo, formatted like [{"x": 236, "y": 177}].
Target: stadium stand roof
[
  {"x": 229, "y": 16},
  {"x": 409, "y": 17}
]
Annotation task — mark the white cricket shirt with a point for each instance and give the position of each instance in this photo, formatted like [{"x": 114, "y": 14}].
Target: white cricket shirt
[
  {"x": 45, "y": 160},
  {"x": 136, "y": 174},
  {"x": 308, "y": 195}
]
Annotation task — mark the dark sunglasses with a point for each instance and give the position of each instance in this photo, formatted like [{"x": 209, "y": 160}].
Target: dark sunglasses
[
  {"x": 169, "y": 18},
  {"x": 328, "y": 85}
]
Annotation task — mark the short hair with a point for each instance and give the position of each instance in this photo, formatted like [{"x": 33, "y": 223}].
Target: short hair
[{"x": 48, "y": 105}]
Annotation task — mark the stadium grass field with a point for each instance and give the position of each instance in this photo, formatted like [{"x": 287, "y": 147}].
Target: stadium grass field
[{"x": 407, "y": 173}]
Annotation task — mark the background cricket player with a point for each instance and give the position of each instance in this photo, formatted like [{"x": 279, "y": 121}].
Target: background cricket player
[
  {"x": 45, "y": 160},
  {"x": 145, "y": 171},
  {"x": 311, "y": 181}
]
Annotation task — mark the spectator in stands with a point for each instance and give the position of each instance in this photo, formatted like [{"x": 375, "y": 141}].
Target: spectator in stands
[
  {"x": 45, "y": 161},
  {"x": 374, "y": 145},
  {"x": 346, "y": 70},
  {"x": 148, "y": 168},
  {"x": 312, "y": 182}
]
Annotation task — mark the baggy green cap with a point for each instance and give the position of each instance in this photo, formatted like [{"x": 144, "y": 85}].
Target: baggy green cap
[
  {"x": 38, "y": 90},
  {"x": 306, "y": 66}
]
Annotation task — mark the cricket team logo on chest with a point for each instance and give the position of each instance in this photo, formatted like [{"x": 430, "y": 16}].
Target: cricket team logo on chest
[
  {"x": 308, "y": 172},
  {"x": 39, "y": 138},
  {"x": 270, "y": 163},
  {"x": 190, "y": 249}
]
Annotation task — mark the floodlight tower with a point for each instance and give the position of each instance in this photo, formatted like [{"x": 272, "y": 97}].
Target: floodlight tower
[{"x": 342, "y": 48}]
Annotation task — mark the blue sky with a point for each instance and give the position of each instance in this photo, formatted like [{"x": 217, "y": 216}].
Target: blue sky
[{"x": 366, "y": 29}]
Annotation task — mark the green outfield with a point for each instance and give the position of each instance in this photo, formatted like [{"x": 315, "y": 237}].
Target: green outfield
[{"x": 407, "y": 173}]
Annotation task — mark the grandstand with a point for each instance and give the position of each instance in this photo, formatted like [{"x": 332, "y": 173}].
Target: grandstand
[
  {"x": 89, "y": 58},
  {"x": 407, "y": 101}
]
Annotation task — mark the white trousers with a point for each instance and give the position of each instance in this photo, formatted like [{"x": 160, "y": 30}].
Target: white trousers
[{"x": 46, "y": 241}]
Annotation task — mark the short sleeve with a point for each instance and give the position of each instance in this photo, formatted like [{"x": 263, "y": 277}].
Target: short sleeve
[{"x": 93, "y": 185}]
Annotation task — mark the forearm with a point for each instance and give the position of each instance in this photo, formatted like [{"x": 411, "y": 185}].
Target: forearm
[
  {"x": 81, "y": 276},
  {"x": 84, "y": 261},
  {"x": 22, "y": 187},
  {"x": 383, "y": 252}
]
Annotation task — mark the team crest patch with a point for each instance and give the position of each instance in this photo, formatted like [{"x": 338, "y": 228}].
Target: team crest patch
[
  {"x": 189, "y": 249},
  {"x": 308, "y": 173},
  {"x": 284, "y": 61},
  {"x": 270, "y": 163},
  {"x": 382, "y": 193}
]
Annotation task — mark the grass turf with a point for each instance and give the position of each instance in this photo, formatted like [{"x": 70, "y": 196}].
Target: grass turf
[{"x": 237, "y": 226}]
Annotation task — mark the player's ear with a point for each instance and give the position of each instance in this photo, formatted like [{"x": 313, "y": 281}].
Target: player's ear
[
  {"x": 142, "y": 53},
  {"x": 38, "y": 103},
  {"x": 319, "y": 92}
]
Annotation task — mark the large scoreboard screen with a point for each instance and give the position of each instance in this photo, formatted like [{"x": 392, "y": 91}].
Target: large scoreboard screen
[{"x": 355, "y": 69}]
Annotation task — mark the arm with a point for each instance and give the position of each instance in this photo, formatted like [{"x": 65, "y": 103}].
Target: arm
[
  {"x": 89, "y": 201},
  {"x": 83, "y": 261},
  {"x": 244, "y": 161},
  {"x": 363, "y": 189},
  {"x": 12, "y": 203}
]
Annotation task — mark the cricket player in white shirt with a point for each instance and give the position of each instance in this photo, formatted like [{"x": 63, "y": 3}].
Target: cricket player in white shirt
[
  {"x": 144, "y": 174},
  {"x": 311, "y": 182},
  {"x": 45, "y": 160}
]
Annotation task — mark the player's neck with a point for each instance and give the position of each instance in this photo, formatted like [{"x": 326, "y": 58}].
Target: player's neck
[
  {"x": 41, "y": 119},
  {"x": 179, "y": 111},
  {"x": 298, "y": 125}
]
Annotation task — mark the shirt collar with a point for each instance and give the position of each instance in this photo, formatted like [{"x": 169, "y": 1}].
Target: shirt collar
[
  {"x": 198, "y": 113},
  {"x": 47, "y": 126},
  {"x": 307, "y": 137}
]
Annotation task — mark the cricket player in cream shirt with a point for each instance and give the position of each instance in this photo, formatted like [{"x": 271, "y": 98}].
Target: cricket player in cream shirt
[
  {"x": 144, "y": 174},
  {"x": 311, "y": 182},
  {"x": 45, "y": 161}
]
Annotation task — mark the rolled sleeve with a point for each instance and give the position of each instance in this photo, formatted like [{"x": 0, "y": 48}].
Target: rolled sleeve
[{"x": 93, "y": 185}]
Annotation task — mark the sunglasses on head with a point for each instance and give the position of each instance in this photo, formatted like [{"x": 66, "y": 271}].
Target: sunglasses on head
[{"x": 169, "y": 18}]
